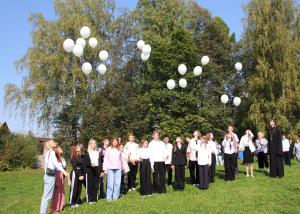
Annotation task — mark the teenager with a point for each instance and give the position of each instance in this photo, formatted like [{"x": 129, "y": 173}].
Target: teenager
[
  {"x": 179, "y": 163},
  {"x": 248, "y": 148},
  {"x": 297, "y": 148},
  {"x": 286, "y": 150},
  {"x": 93, "y": 165},
  {"x": 193, "y": 158},
  {"x": 213, "y": 148},
  {"x": 219, "y": 161},
  {"x": 204, "y": 161},
  {"x": 51, "y": 165},
  {"x": 235, "y": 138},
  {"x": 158, "y": 158},
  {"x": 126, "y": 169},
  {"x": 112, "y": 167},
  {"x": 275, "y": 151},
  {"x": 144, "y": 154},
  {"x": 102, "y": 149},
  {"x": 77, "y": 176},
  {"x": 262, "y": 151},
  {"x": 229, "y": 145},
  {"x": 169, "y": 148},
  {"x": 58, "y": 199},
  {"x": 131, "y": 148}
]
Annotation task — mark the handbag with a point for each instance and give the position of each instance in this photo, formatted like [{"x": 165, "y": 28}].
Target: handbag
[{"x": 50, "y": 172}]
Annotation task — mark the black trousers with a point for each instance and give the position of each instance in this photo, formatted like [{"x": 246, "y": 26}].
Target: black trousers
[
  {"x": 287, "y": 158},
  {"x": 193, "y": 166},
  {"x": 179, "y": 177},
  {"x": 169, "y": 173},
  {"x": 262, "y": 160},
  {"x": 75, "y": 189},
  {"x": 229, "y": 164},
  {"x": 132, "y": 174},
  {"x": 101, "y": 187},
  {"x": 276, "y": 166},
  {"x": 159, "y": 177},
  {"x": 203, "y": 176},
  {"x": 236, "y": 167},
  {"x": 92, "y": 184},
  {"x": 212, "y": 168},
  {"x": 145, "y": 177}
]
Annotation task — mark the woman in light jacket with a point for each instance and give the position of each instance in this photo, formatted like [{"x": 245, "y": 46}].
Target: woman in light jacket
[{"x": 246, "y": 145}]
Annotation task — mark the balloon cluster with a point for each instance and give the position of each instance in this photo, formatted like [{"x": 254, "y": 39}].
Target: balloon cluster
[
  {"x": 145, "y": 48},
  {"x": 182, "y": 69},
  {"x": 77, "y": 49},
  {"x": 236, "y": 100}
]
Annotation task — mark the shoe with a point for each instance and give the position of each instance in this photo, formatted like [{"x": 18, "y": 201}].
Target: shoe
[
  {"x": 133, "y": 189},
  {"x": 252, "y": 176},
  {"x": 247, "y": 176},
  {"x": 149, "y": 195},
  {"x": 129, "y": 190}
]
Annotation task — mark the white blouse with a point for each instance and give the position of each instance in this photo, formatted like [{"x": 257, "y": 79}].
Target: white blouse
[
  {"x": 131, "y": 150},
  {"x": 169, "y": 148},
  {"x": 192, "y": 149},
  {"x": 94, "y": 156},
  {"x": 204, "y": 154},
  {"x": 158, "y": 151},
  {"x": 213, "y": 147}
]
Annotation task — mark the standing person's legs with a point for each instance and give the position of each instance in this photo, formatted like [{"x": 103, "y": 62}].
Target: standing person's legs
[
  {"x": 265, "y": 161},
  {"x": 101, "y": 187},
  {"x": 227, "y": 166},
  {"x": 197, "y": 173},
  {"x": 110, "y": 184},
  {"x": 288, "y": 157},
  {"x": 192, "y": 167},
  {"x": 143, "y": 178},
  {"x": 177, "y": 178},
  {"x": 148, "y": 172},
  {"x": 155, "y": 177},
  {"x": 169, "y": 174},
  {"x": 117, "y": 183},
  {"x": 136, "y": 168},
  {"x": 260, "y": 160},
  {"x": 212, "y": 169},
  {"x": 236, "y": 167},
  {"x": 49, "y": 182},
  {"x": 130, "y": 176},
  {"x": 182, "y": 177},
  {"x": 162, "y": 177},
  {"x": 232, "y": 167},
  {"x": 201, "y": 176},
  {"x": 280, "y": 167},
  {"x": 205, "y": 177}
]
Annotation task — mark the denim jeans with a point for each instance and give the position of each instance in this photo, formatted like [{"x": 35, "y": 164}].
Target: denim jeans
[
  {"x": 113, "y": 184},
  {"x": 49, "y": 183}
]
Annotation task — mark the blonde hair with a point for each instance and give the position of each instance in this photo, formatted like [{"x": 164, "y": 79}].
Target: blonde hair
[
  {"x": 89, "y": 146},
  {"x": 261, "y": 133}
]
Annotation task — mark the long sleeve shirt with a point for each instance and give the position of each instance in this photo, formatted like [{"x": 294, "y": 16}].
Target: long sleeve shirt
[
  {"x": 262, "y": 145},
  {"x": 192, "y": 149},
  {"x": 131, "y": 150},
  {"x": 229, "y": 146},
  {"x": 158, "y": 151},
  {"x": 112, "y": 159},
  {"x": 51, "y": 162},
  {"x": 285, "y": 145},
  {"x": 246, "y": 140},
  {"x": 213, "y": 147},
  {"x": 204, "y": 154},
  {"x": 144, "y": 154},
  {"x": 169, "y": 148}
]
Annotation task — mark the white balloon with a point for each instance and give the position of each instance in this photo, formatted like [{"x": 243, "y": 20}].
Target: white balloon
[
  {"x": 86, "y": 68},
  {"x": 93, "y": 42},
  {"x": 103, "y": 55},
  {"x": 171, "y": 84},
  {"x": 101, "y": 69},
  {"x": 85, "y": 32},
  {"x": 140, "y": 44},
  {"x": 145, "y": 57},
  {"x": 182, "y": 69},
  {"x": 237, "y": 101},
  {"x": 197, "y": 71},
  {"x": 182, "y": 83},
  {"x": 205, "y": 60},
  {"x": 68, "y": 45},
  {"x": 238, "y": 66},
  {"x": 146, "y": 49},
  {"x": 77, "y": 50},
  {"x": 224, "y": 98},
  {"x": 81, "y": 42}
]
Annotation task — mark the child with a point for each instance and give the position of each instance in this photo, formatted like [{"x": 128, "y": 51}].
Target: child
[
  {"x": 286, "y": 150},
  {"x": 77, "y": 176},
  {"x": 262, "y": 151},
  {"x": 131, "y": 149},
  {"x": 169, "y": 148},
  {"x": 112, "y": 167},
  {"x": 179, "y": 163},
  {"x": 58, "y": 199},
  {"x": 204, "y": 161},
  {"x": 229, "y": 144},
  {"x": 158, "y": 158},
  {"x": 144, "y": 154},
  {"x": 213, "y": 148},
  {"x": 193, "y": 158},
  {"x": 93, "y": 167},
  {"x": 219, "y": 155},
  {"x": 126, "y": 169},
  {"x": 246, "y": 145},
  {"x": 102, "y": 149}
]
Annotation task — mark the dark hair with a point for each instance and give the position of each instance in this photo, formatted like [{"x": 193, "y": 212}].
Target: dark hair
[
  {"x": 142, "y": 142},
  {"x": 112, "y": 140},
  {"x": 74, "y": 151}
]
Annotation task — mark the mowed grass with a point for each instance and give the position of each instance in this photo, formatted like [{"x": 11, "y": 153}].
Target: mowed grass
[{"x": 21, "y": 191}]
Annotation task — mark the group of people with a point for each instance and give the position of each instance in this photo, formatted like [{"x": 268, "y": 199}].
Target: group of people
[{"x": 119, "y": 164}]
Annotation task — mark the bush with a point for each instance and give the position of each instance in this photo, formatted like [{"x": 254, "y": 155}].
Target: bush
[{"x": 17, "y": 151}]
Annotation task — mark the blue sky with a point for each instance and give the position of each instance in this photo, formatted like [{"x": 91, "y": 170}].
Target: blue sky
[{"x": 15, "y": 39}]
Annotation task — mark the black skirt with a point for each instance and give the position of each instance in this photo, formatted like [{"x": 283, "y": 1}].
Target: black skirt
[{"x": 248, "y": 155}]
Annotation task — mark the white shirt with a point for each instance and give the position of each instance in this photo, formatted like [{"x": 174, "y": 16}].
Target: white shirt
[
  {"x": 169, "y": 148},
  {"x": 285, "y": 145},
  {"x": 192, "y": 149},
  {"x": 131, "y": 150},
  {"x": 204, "y": 154},
  {"x": 213, "y": 147},
  {"x": 158, "y": 151},
  {"x": 229, "y": 146},
  {"x": 247, "y": 141},
  {"x": 262, "y": 145},
  {"x": 144, "y": 154},
  {"x": 94, "y": 156},
  {"x": 52, "y": 163}
]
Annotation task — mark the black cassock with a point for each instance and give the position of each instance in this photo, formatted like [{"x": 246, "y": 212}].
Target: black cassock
[{"x": 275, "y": 152}]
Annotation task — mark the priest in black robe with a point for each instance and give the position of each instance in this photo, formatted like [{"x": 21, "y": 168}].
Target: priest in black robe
[{"x": 275, "y": 151}]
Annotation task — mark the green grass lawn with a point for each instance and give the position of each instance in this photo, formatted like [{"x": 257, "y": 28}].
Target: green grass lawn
[{"x": 21, "y": 191}]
